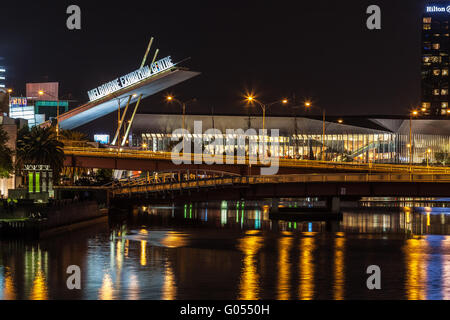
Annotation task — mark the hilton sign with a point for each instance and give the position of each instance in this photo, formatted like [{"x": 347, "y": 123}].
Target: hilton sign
[
  {"x": 432, "y": 9},
  {"x": 130, "y": 79}
]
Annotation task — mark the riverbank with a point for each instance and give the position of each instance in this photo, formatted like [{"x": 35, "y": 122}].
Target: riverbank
[{"x": 40, "y": 220}]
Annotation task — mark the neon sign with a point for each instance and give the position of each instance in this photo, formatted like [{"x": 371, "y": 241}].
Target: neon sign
[
  {"x": 130, "y": 79},
  {"x": 432, "y": 9},
  {"x": 18, "y": 102}
]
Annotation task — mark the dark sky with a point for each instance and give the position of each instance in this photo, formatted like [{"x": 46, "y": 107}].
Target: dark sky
[{"x": 316, "y": 49}]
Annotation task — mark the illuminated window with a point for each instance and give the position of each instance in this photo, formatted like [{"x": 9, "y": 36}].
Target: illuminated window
[
  {"x": 426, "y": 59},
  {"x": 427, "y": 27},
  {"x": 444, "y": 105},
  {"x": 436, "y": 72},
  {"x": 426, "y": 105},
  {"x": 446, "y": 33},
  {"x": 435, "y": 59},
  {"x": 443, "y": 112},
  {"x": 436, "y": 92},
  {"x": 445, "y": 72},
  {"x": 436, "y": 35},
  {"x": 436, "y": 46},
  {"x": 444, "y": 92},
  {"x": 427, "y": 20}
]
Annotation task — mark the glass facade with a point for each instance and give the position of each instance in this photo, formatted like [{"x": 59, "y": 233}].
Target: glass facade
[{"x": 344, "y": 147}]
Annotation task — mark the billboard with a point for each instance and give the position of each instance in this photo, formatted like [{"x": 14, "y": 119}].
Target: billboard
[
  {"x": 101, "y": 138},
  {"x": 18, "y": 102},
  {"x": 50, "y": 90}
]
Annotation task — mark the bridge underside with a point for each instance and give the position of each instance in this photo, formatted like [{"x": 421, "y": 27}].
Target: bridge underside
[
  {"x": 99, "y": 108},
  {"x": 346, "y": 191}
]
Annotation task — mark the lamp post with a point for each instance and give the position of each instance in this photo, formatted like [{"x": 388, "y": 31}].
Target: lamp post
[
  {"x": 41, "y": 93},
  {"x": 182, "y": 105},
  {"x": 411, "y": 114},
  {"x": 309, "y": 105},
  {"x": 251, "y": 99},
  {"x": 9, "y": 91}
]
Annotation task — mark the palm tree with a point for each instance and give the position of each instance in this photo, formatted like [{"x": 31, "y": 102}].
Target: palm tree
[
  {"x": 40, "y": 146},
  {"x": 72, "y": 138},
  {"x": 6, "y": 156}
]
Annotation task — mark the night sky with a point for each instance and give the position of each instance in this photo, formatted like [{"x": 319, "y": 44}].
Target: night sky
[{"x": 315, "y": 49}]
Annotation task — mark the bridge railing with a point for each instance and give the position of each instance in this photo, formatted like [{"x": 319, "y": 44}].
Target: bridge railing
[{"x": 279, "y": 179}]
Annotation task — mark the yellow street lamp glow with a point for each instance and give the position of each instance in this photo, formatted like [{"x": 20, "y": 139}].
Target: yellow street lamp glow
[
  {"x": 424, "y": 109},
  {"x": 169, "y": 98},
  {"x": 250, "y": 98},
  {"x": 428, "y": 150},
  {"x": 415, "y": 113},
  {"x": 40, "y": 92},
  {"x": 9, "y": 90},
  {"x": 285, "y": 101},
  {"x": 340, "y": 121},
  {"x": 307, "y": 104}
]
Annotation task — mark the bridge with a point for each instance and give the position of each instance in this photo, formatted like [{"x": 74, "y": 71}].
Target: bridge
[
  {"x": 208, "y": 186},
  {"x": 131, "y": 159}
]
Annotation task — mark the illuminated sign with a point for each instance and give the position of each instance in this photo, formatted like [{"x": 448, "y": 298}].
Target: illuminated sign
[
  {"x": 101, "y": 138},
  {"x": 18, "y": 102},
  {"x": 432, "y": 9},
  {"x": 130, "y": 79}
]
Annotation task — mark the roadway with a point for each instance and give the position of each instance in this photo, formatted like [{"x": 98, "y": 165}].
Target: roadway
[{"x": 137, "y": 160}]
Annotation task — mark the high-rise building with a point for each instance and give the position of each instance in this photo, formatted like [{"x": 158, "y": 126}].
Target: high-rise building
[
  {"x": 2, "y": 77},
  {"x": 435, "y": 59}
]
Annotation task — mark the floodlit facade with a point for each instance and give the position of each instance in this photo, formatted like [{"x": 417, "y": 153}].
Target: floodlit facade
[
  {"x": 35, "y": 111},
  {"x": 354, "y": 140},
  {"x": 10, "y": 126}
]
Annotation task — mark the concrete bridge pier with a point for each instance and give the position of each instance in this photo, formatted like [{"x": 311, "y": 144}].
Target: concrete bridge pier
[
  {"x": 275, "y": 203},
  {"x": 333, "y": 204}
]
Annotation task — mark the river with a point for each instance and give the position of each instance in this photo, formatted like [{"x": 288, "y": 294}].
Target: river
[{"x": 229, "y": 250}]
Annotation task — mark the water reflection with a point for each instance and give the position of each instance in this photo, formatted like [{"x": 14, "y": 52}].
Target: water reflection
[
  {"x": 249, "y": 286},
  {"x": 284, "y": 266},
  {"x": 229, "y": 250},
  {"x": 106, "y": 291},
  {"x": 339, "y": 267},
  {"x": 307, "y": 246}
]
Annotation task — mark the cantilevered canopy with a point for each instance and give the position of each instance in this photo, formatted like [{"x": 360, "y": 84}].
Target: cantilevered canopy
[{"x": 101, "y": 107}]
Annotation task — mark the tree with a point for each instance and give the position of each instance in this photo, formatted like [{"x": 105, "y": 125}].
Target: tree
[
  {"x": 6, "y": 156},
  {"x": 40, "y": 146},
  {"x": 74, "y": 138},
  {"x": 104, "y": 176},
  {"x": 442, "y": 157}
]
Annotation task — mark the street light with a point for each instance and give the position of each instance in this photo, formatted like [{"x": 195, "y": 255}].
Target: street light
[
  {"x": 41, "y": 93},
  {"x": 251, "y": 99},
  {"x": 308, "y": 104},
  {"x": 170, "y": 98},
  {"x": 428, "y": 155},
  {"x": 411, "y": 114}
]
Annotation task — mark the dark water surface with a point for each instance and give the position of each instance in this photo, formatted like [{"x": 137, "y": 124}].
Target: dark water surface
[{"x": 229, "y": 251}]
